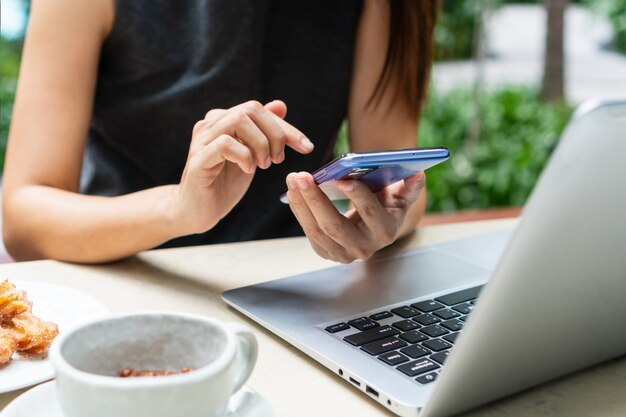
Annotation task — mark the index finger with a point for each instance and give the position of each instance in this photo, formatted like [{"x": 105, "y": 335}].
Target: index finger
[
  {"x": 295, "y": 139},
  {"x": 378, "y": 221},
  {"x": 330, "y": 221}
]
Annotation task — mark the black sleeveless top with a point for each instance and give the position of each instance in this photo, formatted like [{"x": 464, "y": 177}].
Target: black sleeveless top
[{"x": 166, "y": 63}]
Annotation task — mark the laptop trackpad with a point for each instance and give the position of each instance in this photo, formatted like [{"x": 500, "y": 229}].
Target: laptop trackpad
[{"x": 349, "y": 289}]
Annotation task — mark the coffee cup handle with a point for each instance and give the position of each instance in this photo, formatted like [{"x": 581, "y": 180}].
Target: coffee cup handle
[{"x": 246, "y": 353}]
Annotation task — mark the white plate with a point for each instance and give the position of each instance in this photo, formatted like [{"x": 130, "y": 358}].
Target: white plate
[
  {"x": 65, "y": 306},
  {"x": 41, "y": 401}
]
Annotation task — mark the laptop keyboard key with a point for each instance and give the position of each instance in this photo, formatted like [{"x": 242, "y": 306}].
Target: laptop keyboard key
[
  {"x": 450, "y": 337},
  {"x": 405, "y": 312},
  {"x": 446, "y": 314},
  {"x": 433, "y": 331},
  {"x": 460, "y": 296},
  {"x": 453, "y": 325},
  {"x": 415, "y": 351},
  {"x": 427, "y": 306},
  {"x": 359, "y": 339},
  {"x": 406, "y": 325},
  {"x": 356, "y": 322},
  {"x": 425, "y": 379},
  {"x": 381, "y": 315},
  {"x": 437, "y": 345},
  {"x": 393, "y": 358},
  {"x": 427, "y": 319},
  {"x": 363, "y": 323},
  {"x": 337, "y": 327},
  {"x": 464, "y": 308},
  {"x": 440, "y": 357},
  {"x": 384, "y": 345},
  {"x": 417, "y": 367},
  {"x": 368, "y": 325},
  {"x": 413, "y": 336}
]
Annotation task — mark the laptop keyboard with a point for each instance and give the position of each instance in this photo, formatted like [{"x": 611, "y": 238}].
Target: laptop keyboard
[{"x": 415, "y": 339}]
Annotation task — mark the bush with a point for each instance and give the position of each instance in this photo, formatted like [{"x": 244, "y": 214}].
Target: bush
[
  {"x": 9, "y": 67},
  {"x": 454, "y": 34},
  {"x": 518, "y": 133},
  {"x": 615, "y": 11}
]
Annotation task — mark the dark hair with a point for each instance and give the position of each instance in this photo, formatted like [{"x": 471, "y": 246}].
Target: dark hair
[{"x": 409, "y": 52}]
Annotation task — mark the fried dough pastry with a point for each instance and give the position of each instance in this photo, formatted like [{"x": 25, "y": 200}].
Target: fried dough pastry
[
  {"x": 8, "y": 346},
  {"x": 33, "y": 335},
  {"x": 19, "y": 329},
  {"x": 12, "y": 301}
]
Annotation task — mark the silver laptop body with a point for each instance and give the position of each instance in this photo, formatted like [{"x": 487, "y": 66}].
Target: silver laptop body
[{"x": 556, "y": 287}]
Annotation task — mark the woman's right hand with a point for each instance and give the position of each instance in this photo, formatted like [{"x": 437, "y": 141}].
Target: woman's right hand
[{"x": 226, "y": 148}]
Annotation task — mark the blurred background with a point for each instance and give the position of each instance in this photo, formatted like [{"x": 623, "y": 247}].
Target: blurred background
[{"x": 508, "y": 75}]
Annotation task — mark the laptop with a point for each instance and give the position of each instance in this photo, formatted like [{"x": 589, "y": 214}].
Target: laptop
[{"x": 439, "y": 330}]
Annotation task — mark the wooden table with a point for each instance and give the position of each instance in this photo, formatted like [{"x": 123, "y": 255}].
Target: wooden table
[{"x": 192, "y": 279}]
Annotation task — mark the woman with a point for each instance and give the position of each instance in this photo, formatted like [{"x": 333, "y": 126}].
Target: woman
[{"x": 145, "y": 123}]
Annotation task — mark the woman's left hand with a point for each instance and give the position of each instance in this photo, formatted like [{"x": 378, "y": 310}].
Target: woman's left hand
[{"x": 372, "y": 224}]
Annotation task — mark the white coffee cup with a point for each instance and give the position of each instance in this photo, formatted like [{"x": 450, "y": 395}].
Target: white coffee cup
[{"x": 88, "y": 359}]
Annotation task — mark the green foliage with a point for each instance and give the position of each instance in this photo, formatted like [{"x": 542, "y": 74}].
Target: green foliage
[
  {"x": 518, "y": 133},
  {"x": 615, "y": 11},
  {"x": 537, "y": 1},
  {"x": 9, "y": 67},
  {"x": 454, "y": 34}
]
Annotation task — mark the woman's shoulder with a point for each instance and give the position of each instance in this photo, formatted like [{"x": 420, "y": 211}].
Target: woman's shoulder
[{"x": 97, "y": 15}]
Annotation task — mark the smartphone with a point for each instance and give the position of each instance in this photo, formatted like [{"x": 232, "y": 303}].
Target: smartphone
[{"x": 376, "y": 169}]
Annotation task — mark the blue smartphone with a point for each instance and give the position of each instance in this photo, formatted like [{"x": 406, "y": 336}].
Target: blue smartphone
[{"x": 376, "y": 169}]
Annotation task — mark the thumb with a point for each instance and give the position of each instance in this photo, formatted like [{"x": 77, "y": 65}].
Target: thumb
[{"x": 278, "y": 107}]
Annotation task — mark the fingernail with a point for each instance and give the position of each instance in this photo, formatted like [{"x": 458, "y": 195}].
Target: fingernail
[
  {"x": 302, "y": 183},
  {"x": 306, "y": 143},
  {"x": 346, "y": 186},
  {"x": 418, "y": 184},
  {"x": 290, "y": 185},
  {"x": 268, "y": 161},
  {"x": 281, "y": 156}
]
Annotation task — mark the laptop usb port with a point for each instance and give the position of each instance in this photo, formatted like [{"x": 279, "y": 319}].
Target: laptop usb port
[
  {"x": 371, "y": 391},
  {"x": 354, "y": 381}
]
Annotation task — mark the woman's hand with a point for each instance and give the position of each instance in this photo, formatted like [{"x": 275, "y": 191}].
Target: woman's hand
[
  {"x": 372, "y": 224},
  {"x": 226, "y": 148}
]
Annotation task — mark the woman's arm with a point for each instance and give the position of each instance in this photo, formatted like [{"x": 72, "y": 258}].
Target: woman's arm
[
  {"x": 376, "y": 220},
  {"x": 49, "y": 125},
  {"x": 45, "y": 217},
  {"x": 388, "y": 123}
]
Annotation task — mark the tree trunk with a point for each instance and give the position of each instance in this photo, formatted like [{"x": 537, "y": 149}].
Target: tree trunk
[
  {"x": 484, "y": 7},
  {"x": 553, "y": 85}
]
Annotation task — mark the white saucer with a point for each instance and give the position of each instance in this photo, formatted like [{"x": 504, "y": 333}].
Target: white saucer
[
  {"x": 65, "y": 306},
  {"x": 41, "y": 401}
]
